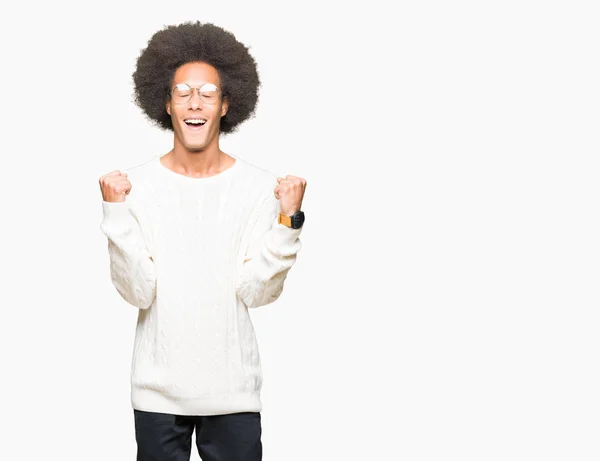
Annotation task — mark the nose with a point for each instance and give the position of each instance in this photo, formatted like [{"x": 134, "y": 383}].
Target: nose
[{"x": 195, "y": 100}]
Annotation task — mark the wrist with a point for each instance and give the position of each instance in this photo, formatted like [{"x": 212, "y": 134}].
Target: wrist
[{"x": 294, "y": 220}]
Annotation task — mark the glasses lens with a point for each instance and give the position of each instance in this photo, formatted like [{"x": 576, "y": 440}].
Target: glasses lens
[
  {"x": 181, "y": 93},
  {"x": 209, "y": 97},
  {"x": 209, "y": 93}
]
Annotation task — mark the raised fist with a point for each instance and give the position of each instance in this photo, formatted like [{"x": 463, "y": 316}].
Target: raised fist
[
  {"x": 290, "y": 192},
  {"x": 114, "y": 186}
]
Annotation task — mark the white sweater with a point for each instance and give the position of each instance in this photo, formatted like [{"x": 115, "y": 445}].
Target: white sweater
[{"x": 193, "y": 254}]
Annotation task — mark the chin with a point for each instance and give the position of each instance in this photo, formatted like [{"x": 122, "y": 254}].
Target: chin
[
  {"x": 195, "y": 146},
  {"x": 192, "y": 144}
]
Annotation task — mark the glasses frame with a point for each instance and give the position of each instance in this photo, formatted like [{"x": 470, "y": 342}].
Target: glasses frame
[{"x": 219, "y": 93}]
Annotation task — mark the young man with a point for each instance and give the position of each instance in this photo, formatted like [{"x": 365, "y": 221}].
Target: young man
[{"x": 196, "y": 237}]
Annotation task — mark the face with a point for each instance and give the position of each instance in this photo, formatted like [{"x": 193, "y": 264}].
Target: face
[{"x": 196, "y": 137}]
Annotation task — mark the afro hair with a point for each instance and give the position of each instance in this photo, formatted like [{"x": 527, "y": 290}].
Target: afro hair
[{"x": 173, "y": 46}]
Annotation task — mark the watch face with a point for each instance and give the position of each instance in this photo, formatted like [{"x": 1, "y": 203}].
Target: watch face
[{"x": 297, "y": 219}]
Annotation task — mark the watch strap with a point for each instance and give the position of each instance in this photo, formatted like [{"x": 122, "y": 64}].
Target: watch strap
[{"x": 285, "y": 220}]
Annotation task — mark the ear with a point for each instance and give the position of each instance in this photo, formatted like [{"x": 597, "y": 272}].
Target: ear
[
  {"x": 224, "y": 107},
  {"x": 168, "y": 107}
]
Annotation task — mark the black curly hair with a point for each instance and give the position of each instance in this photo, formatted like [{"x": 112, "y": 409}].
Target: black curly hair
[{"x": 175, "y": 45}]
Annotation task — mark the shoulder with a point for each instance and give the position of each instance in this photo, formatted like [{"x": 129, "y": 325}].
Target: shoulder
[
  {"x": 258, "y": 185},
  {"x": 142, "y": 177},
  {"x": 257, "y": 179},
  {"x": 256, "y": 172},
  {"x": 141, "y": 171}
]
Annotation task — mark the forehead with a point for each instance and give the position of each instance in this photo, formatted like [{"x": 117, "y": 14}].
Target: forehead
[{"x": 195, "y": 74}]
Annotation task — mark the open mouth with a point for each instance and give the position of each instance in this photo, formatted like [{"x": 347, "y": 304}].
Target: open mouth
[{"x": 195, "y": 124}]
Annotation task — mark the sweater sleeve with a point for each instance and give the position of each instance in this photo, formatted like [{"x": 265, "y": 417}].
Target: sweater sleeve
[
  {"x": 132, "y": 268},
  {"x": 271, "y": 253}
]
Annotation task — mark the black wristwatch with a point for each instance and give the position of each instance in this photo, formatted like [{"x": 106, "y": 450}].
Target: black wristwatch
[{"x": 295, "y": 221}]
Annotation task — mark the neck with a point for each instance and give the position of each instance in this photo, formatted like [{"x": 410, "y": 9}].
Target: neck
[{"x": 203, "y": 162}]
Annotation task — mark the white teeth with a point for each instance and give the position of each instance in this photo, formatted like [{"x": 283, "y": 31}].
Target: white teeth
[{"x": 193, "y": 121}]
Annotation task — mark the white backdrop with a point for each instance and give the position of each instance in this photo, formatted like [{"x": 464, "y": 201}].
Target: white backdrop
[{"x": 445, "y": 302}]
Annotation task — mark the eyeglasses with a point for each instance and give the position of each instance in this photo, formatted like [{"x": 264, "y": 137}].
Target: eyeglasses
[{"x": 209, "y": 93}]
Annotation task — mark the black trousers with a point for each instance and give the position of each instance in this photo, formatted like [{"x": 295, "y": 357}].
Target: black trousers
[{"x": 166, "y": 437}]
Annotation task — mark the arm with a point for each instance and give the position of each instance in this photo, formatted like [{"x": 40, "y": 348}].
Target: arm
[
  {"x": 271, "y": 253},
  {"x": 131, "y": 265}
]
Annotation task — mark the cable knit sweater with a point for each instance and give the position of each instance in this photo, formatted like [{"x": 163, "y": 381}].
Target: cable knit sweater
[{"x": 193, "y": 254}]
